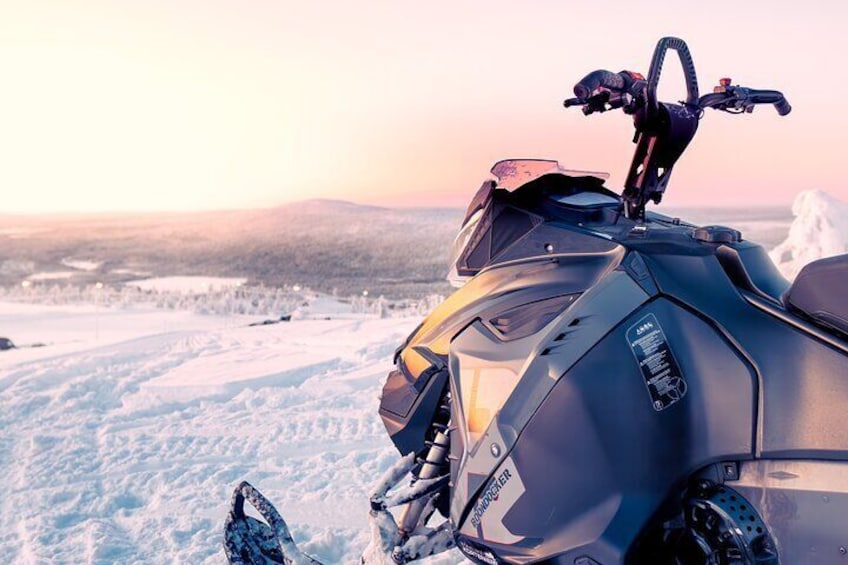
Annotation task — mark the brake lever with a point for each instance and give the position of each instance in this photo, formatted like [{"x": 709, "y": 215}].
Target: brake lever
[
  {"x": 590, "y": 105},
  {"x": 603, "y": 101},
  {"x": 740, "y": 100},
  {"x": 597, "y": 103}
]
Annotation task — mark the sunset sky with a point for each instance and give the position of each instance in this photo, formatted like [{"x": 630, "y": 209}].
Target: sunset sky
[{"x": 182, "y": 105}]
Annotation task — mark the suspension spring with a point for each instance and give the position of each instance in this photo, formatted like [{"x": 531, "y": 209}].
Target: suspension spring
[{"x": 432, "y": 465}]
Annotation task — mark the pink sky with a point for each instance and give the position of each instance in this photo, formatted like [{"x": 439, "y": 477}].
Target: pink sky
[{"x": 185, "y": 105}]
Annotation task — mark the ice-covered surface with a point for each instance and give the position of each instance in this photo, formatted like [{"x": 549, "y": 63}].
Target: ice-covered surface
[
  {"x": 123, "y": 438},
  {"x": 186, "y": 284},
  {"x": 820, "y": 229}
]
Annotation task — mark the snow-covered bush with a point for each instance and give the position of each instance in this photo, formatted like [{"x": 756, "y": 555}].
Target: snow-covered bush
[
  {"x": 820, "y": 229},
  {"x": 255, "y": 300}
]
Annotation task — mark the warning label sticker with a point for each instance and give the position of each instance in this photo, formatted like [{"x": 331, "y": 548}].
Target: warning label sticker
[{"x": 659, "y": 368}]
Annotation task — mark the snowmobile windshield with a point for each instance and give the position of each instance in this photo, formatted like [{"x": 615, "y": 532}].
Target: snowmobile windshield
[
  {"x": 515, "y": 173},
  {"x": 460, "y": 243},
  {"x": 498, "y": 218}
]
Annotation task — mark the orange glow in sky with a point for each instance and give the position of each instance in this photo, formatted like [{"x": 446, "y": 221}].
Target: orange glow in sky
[{"x": 181, "y": 105}]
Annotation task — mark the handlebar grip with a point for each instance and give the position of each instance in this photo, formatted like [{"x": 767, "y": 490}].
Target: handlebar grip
[
  {"x": 770, "y": 97},
  {"x": 596, "y": 79},
  {"x": 782, "y": 107}
]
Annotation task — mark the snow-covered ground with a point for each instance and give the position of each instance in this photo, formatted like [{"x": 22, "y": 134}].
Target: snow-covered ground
[{"x": 123, "y": 438}]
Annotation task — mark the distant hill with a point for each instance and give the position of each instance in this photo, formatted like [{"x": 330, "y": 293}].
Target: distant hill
[
  {"x": 327, "y": 205},
  {"x": 325, "y": 244}
]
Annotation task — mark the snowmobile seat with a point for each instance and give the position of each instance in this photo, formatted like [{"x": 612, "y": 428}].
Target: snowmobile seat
[{"x": 820, "y": 294}]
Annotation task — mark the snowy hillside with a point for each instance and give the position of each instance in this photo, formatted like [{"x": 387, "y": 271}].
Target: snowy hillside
[
  {"x": 122, "y": 441},
  {"x": 820, "y": 229},
  {"x": 322, "y": 244}
]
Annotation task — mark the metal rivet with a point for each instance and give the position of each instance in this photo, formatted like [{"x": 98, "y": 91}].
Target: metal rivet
[
  {"x": 549, "y": 247},
  {"x": 843, "y": 551},
  {"x": 496, "y": 450}
]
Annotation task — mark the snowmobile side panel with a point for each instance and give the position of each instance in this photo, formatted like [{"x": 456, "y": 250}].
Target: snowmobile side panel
[
  {"x": 535, "y": 363},
  {"x": 592, "y": 316},
  {"x": 623, "y": 453},
  {"x": 803, "y": 389}
]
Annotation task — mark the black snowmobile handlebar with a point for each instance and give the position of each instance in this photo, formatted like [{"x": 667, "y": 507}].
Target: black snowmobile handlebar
[
  {"x": 603, "y": 90},
  {"x": 663, "y": 130}
]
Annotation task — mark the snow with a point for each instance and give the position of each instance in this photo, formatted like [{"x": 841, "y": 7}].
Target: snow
[
  {"x": 130, "y": 272},
  {"x": 81, "y": 264},
  {"x": 51, "y": 276},
  {"x": 70, "y": 328},
  {"x": 124, "y": 437},
  {"x": 21, "y": 232},
  {"x": 820, "y": 229},
  {"x": 186, "y": 284},
  {"x": 322, "y": 307}
]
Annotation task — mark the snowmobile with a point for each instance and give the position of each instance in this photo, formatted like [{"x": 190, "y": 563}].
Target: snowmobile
[{"x": 611, "y": 385}]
